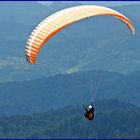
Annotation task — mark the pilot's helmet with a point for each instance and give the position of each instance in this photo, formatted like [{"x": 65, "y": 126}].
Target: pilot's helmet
[{"x": 89, "y": 106}]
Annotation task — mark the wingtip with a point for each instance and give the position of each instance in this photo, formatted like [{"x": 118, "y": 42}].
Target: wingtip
[{"x": 134, "y": 32}]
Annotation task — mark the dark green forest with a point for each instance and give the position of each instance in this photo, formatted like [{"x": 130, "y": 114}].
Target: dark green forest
[{"x": 113, "y": 119}]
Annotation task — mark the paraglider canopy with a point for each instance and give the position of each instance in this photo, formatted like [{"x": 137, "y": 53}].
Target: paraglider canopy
[{"x": 61, "y": 19}]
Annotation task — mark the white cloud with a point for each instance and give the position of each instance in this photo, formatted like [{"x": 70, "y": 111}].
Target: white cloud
[{"x": 47, "y": 3}]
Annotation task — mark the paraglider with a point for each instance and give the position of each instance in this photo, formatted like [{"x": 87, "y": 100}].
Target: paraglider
[{"x": 61, "y": 19}]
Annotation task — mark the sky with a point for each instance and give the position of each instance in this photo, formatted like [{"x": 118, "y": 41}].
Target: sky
[{"x": 102, "y": 3}]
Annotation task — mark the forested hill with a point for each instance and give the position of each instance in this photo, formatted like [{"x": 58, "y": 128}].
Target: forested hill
[
  {"x": 61, "y": 90},
  {"x": 113, "y": 119}
]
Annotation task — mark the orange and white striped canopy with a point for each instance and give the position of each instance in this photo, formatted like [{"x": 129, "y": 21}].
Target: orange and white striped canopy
[{"x": 61, "y": 19}]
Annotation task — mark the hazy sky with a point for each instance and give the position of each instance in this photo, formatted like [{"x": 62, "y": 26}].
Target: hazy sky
[{"x": 103, "y": 3}]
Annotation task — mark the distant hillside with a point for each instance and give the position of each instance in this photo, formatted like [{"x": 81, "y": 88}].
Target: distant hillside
[
  {"x": 113, "y": 119},
  {"x": 72, "y": 50},
  {"x": 61, "y": 90},
  {"x": 128, "y": 10}
]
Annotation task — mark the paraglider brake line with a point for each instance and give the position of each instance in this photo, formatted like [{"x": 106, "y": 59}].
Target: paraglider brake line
[{"x": 84, "y": 107}]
